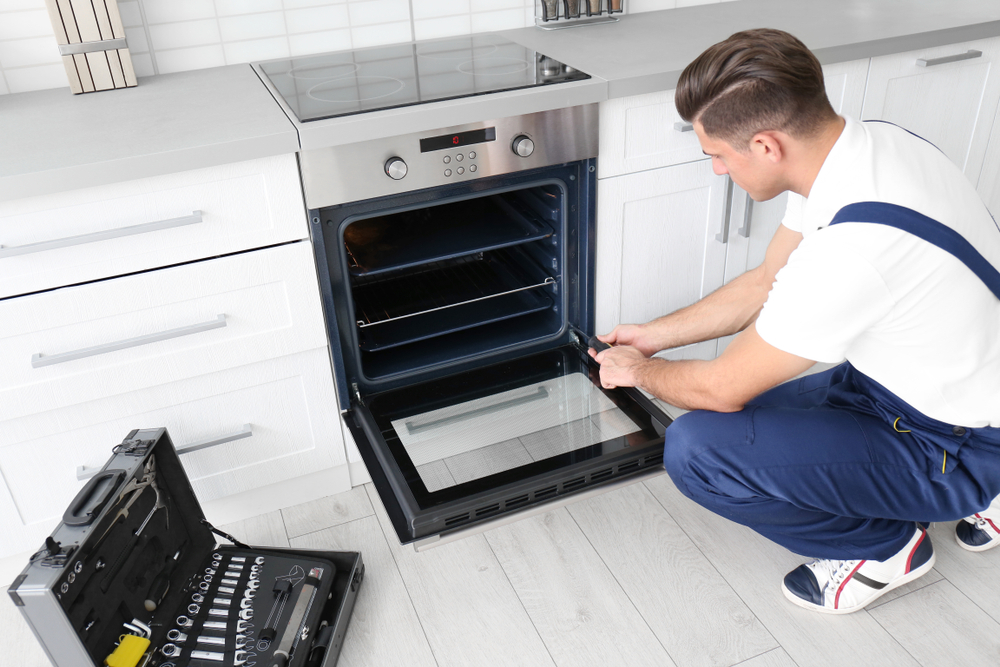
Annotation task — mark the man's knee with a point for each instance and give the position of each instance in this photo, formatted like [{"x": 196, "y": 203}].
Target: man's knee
[{"x": 689, "y": 435}]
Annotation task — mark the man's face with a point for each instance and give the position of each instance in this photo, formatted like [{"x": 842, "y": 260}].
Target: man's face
[{"x": 751, "y": 170}]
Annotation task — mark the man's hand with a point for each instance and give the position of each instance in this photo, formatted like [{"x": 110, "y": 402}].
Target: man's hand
[
  {"x": 620, "y": 365},
  {"x": 637, "y": 336}
]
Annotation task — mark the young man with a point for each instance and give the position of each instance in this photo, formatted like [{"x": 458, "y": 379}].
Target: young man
[{"x": 846, "y": 465}]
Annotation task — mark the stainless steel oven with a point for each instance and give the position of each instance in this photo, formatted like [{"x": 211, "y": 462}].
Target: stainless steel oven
[{"x": 457, "y": 271}]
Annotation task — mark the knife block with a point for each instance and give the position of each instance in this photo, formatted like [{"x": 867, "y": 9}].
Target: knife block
[
  {"x": 91, "y": 41},
  {"x": 555, "y": 14}
]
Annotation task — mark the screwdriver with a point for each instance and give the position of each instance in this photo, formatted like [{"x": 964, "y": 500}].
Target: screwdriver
[{"x": 160, "y": 584}]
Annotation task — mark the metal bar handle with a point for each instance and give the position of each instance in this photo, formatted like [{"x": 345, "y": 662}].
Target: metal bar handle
[
  {"x": 38, "y": 360},
  {"x": 744, "y": 231},
  {"x": 723, "y": 236},
  {"x": 83, "y": 472},
  {"x": 540, "y": 394},
  {"x": 145, "y": 227},
  {"x": 245, "y": 432},
  {"x": 931, "y": 62},
  {"x": 681, "y": 126}
]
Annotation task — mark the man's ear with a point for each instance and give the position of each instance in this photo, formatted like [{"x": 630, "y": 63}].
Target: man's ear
[{"x": 768, "y": 145}]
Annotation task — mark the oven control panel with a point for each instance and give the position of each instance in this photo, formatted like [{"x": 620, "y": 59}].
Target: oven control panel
[{"x": 354, "y": 172}]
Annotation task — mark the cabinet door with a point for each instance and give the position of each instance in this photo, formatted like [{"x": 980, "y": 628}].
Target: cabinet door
[
  {"x": 989, "y": 180},
  {"x": 947, "y": 95},
  {"x": 658, "y": 245}
]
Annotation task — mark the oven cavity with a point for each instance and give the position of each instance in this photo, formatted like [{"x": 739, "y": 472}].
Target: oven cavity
[{"x": 454, "y": 280}]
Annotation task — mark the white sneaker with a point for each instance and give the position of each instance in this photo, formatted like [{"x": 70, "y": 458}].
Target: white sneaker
[
  {"x": 843, "y": 586},
  {"x": 981, "y": 531}
]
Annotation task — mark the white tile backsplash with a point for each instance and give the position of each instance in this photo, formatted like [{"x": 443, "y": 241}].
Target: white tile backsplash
[{"x": 176, "y": 35}]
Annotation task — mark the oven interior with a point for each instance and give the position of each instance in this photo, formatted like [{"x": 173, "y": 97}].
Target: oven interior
[{"x": 436, "y": 281}]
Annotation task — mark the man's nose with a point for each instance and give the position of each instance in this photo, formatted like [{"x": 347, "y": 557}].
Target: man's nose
[{"x": 718, "y": 167}]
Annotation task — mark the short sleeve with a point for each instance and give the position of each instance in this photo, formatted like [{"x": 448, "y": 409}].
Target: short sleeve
[
  {"x": 793, "y": 212},
  {"x": 824, "y": 298}
]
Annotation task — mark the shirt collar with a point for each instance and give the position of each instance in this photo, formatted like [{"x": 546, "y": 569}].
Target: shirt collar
[{"x": 827, "y": 189}]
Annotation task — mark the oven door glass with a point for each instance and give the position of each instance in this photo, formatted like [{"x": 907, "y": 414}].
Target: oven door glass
[{"x": 462, "y": 449}]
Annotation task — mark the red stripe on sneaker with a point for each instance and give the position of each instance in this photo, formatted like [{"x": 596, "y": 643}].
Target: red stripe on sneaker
[
  {"x": 989, "y": 521},
  {"x": 836, "y": 600},
  {"x": 909, "y": 559}
]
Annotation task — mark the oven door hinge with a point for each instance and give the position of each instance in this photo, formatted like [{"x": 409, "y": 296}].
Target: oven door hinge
[{"x": 357, "y": 393}]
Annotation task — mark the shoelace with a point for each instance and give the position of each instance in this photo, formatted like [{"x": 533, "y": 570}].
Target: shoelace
[{"x": 835, "y": 570}]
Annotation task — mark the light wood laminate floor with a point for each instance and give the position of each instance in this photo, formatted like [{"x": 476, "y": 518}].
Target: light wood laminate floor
[{"x": 636, "y": 576}]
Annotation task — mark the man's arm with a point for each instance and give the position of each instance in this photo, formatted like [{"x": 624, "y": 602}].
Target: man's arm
[
  {"x": 747, "y": 368},
  {"x": 728, "y": 310}
]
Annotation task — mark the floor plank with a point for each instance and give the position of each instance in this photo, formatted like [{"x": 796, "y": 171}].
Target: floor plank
[
  {"x": 942, "y": 627},
  {"x": 754, "y": 567},
  {"x": 580, "y": 611},
  {"x": 695, "y": 614},
  {"x": 326, "y": 512},
  {"x": 264, "y": 530},
  {"x": 977, "y": 574},
  {"x": 468, "y": 609},
  {"x": 775, "y": 658},
  {"x": 18, "y": 645},
  {"x": 384, "y": 628}
]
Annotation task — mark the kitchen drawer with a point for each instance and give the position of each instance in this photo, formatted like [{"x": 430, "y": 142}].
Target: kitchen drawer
[
  {"x": 289, "y": 405},
  {"x": 81, "y": 343},
  {"x": 644, "y": 132},
  {"x": 94, "y": 233}
]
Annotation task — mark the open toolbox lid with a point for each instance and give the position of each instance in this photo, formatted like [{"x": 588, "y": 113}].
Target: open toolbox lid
[{"x": 134, "y": 554}]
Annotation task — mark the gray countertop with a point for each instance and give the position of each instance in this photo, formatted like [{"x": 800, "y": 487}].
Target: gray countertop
[{"x": 52, "y": 141}]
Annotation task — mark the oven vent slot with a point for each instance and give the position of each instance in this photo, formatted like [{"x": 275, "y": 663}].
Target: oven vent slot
[
  {"x": 653, "y": 460},
  {"x": 516, "y": 502},
  {"x": 458, "y": 518},
  {"x": 603, "y": 474},
  {"x": 628, "y": 467},
  {"x": 491, "y": 509},
  {"x": 545, "y": 493},
  {"x": 573, "y": 483}
]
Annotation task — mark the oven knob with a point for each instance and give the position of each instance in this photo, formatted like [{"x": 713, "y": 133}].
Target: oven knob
[
  {"x": 523, "y": 146},
  {"x": 395, "y": 168}
]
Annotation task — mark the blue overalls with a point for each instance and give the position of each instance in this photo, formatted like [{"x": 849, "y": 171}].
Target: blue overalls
[{"x": 833, "y": 465}]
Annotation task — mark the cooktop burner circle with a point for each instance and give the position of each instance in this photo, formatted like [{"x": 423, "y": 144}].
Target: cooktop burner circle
[
  {"x": 493, "y": 66},
  {"x": 456, "y": 53},
  {"x": 326, "y": 72},
  {"x": 375, "y": 87}
]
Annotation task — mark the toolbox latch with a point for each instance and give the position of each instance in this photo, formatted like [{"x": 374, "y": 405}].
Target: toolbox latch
[
  {"x": 132, "y": 446},
  {"x": 359, "y": 576},
  {"x": 53, "y": 554}
]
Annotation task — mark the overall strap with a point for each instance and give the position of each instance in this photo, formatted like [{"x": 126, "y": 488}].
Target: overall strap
[{"x": 928, "y": 229}]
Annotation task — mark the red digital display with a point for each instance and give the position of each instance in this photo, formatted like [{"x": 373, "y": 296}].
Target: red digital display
[{"x": 461, "y": 139}]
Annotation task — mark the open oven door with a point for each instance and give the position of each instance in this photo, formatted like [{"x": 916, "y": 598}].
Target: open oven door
[{"x": 458, "y": 451}]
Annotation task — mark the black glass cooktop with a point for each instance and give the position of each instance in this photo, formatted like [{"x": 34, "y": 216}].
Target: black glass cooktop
[{"x": 350, "y": 82}]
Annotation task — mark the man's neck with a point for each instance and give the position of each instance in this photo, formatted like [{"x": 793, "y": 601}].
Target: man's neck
[{"x": 812, "y": 154}]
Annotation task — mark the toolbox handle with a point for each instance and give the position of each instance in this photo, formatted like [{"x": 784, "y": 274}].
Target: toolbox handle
[{"x": 92, "y": 498}]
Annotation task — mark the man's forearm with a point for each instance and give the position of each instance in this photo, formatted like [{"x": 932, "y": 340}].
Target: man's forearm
[
  {"x": 688, "y": 384},
  {"x": 728, "y": 310}
]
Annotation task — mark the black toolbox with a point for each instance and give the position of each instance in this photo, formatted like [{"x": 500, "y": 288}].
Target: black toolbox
[{"x": 134, "y": 576}]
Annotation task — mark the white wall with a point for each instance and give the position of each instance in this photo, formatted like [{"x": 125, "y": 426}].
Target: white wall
[{"x": 176, "y": 35}]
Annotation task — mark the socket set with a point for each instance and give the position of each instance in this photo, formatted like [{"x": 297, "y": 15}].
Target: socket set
[{"x": 134, "y": 577}]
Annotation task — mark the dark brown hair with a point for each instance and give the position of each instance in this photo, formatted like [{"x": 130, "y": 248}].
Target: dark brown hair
[{"x": 755, "y": 80}]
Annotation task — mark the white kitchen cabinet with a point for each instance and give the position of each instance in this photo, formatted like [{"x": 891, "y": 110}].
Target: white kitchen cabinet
[
  {"x": 112, "y": 336},
  {"x": 94, "y": 233},
  {"x": 989, "y": 179},
  {"x": 947, "y": 95},
  {"x": 659, "y": 245},
  {"x": 237, "y": 431}
]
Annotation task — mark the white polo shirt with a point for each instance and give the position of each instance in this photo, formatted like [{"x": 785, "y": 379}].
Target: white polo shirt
[{"x": 904, "y": 312}]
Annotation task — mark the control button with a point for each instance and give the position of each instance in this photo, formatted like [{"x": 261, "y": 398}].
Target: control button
[
  {"x": 459, "y": 157},
  {"x": 447, "y": 159},
  {"x": 447, "y": 172},
  {"x": 523, "y": 146},
  {"x": 473, "y": 167},
  {"x": 472, "y": 155},
  {"x": 460, "y": 170},
  {"x": 395, "y": 168}
]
